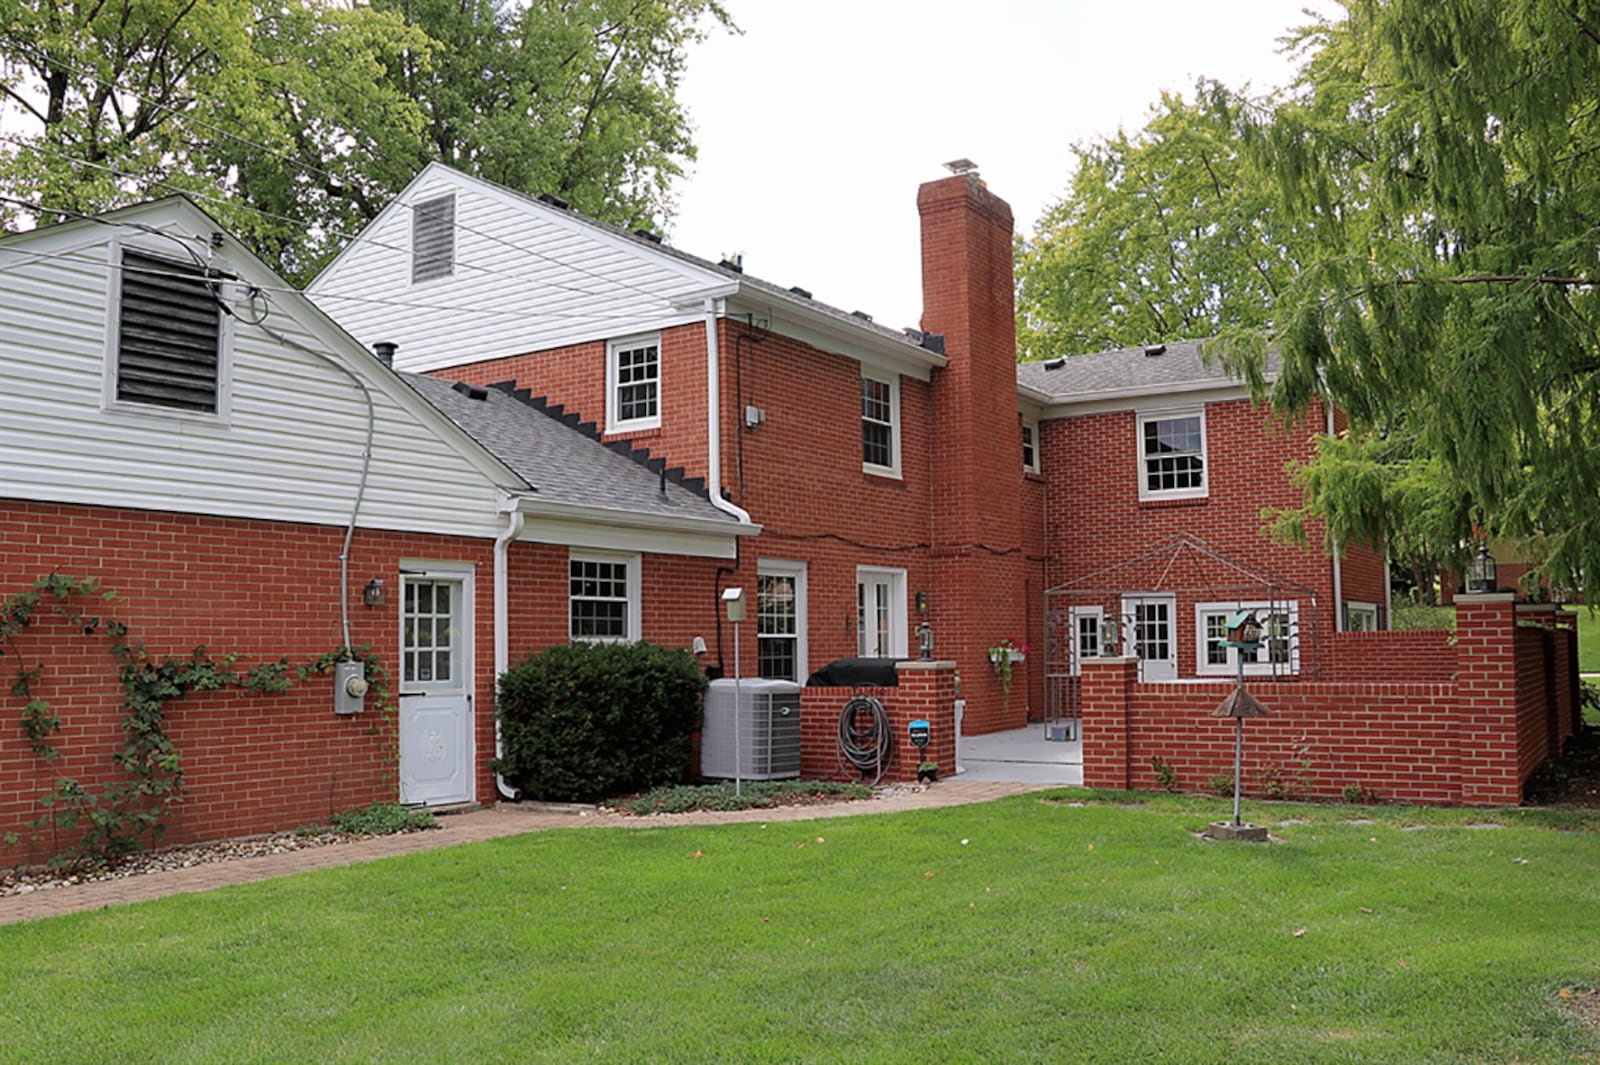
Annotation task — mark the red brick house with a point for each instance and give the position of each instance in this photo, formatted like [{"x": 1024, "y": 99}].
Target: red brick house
[{"x": 179, "y": 424}]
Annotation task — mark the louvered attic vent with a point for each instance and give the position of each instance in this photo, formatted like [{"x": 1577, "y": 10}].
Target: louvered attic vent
[
  {"x": 433, "y": 238},
  {"x": 168, "y": 334}
]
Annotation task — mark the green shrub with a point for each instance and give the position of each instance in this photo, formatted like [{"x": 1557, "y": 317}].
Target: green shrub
[
  {"x": 754, "y": 794},
  {"x": 381, "y": 819},
  {"x": 579, "y": 722}
]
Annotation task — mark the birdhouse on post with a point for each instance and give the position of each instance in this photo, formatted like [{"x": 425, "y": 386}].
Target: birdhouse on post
[{"x": 1244, "y": 630}]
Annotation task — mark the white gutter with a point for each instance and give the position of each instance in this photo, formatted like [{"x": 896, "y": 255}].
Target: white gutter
[
  {"x": 502, "y": 623},
  {"x": 1338, "y": 566},
  {"x": 714, "y": 417}
]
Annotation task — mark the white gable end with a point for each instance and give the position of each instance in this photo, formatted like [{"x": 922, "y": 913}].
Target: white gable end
[
  {"x": 287, "y": 438},
  {"x": 525, "y": 276}
]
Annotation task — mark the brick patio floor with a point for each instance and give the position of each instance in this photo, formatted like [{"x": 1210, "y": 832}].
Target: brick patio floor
[{"x": 469, "y": 827}]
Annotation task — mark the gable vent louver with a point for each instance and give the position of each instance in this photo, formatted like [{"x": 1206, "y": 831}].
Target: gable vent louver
[
  {"x": 168, "y": 333},
  {"x": 433, "y": 238}
]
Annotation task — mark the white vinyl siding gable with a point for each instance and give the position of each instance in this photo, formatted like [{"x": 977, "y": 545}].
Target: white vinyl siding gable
[
  {"x": 290, "y": 448},
  {"x": 526, "y": 277}
]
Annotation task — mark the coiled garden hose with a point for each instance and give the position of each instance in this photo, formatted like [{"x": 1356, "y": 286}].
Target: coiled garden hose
[{"x": 865, "y": 739}]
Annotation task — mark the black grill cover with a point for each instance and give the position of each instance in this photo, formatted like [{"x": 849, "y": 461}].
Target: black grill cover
[{"x": 856, "y": 673}]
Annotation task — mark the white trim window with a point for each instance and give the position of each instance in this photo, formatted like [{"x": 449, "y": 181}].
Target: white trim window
[
  {"x": 1360, "y": 617},
  {"x": 1279, "y": 653},
  {"x": 602, "y": 597},
  {"x": 880, "y": 424},
  {"x": 781, "y": 620},
  {"x": 633, "y": 384},
  {"x": 1172, "y": 454},
  {"x": 1087, "y": 634},
  {"x": 1030, "y": 445},
  {"x": 880, "y": 612}
]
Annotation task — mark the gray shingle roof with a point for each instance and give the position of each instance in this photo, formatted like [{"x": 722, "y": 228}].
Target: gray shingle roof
[
  {"x": 562, "y": 461},
  {"x": 1178, "y": 367}
]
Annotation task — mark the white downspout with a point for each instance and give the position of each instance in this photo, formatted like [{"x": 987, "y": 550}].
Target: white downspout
[
  {"x": 714, "y": 416},
  {"x": 1338, "y": 565},
  {"x": 502, "y": 625}
]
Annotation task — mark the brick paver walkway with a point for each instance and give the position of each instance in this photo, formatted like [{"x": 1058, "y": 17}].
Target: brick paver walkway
[{"x": 470, "y": 827}]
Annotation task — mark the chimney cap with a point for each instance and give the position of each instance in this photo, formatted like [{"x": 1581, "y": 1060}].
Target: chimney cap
[{"x": 961, "y": 166}]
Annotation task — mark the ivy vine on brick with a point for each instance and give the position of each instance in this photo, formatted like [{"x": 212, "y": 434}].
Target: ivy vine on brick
[{"x": 119, "y": 818}]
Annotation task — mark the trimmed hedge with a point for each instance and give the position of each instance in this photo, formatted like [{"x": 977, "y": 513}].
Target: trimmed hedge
[{"x": 584, "y": 721}]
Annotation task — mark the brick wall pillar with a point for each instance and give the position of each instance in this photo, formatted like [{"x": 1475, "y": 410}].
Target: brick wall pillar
[
  {"x": 1107, "y": 686},
  {"x": 1486, "y": 697}
]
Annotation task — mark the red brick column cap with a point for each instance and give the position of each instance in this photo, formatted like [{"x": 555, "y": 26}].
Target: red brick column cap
[{"x": 1486, "y": 597}]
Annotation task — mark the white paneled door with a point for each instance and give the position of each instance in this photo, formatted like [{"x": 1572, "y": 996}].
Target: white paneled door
[{"x": 435, "y": 689}]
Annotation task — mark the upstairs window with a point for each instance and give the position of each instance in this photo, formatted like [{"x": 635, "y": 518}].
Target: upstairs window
[
  {"x": 433, "y": 238},
  {"x": 633, "y": 384},
  {"x": 880, "y": 429},
  {"x": 1172, "y": 456},
  {"x": 169, "y": 335},
  {"x": 1030, "y": 446}
]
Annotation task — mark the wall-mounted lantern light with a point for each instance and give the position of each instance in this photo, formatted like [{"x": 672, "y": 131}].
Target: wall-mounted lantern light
[
  {"x": 1482, "y": 575},
  {"x": 922, "y": 602},
  {"x": 373, "y": 594}
]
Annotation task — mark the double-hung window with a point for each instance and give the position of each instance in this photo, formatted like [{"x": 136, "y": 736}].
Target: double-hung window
[
  {"x": 1278, "y": 654},
  {"x": 1030, "y": 446},
  {"x": 602, "y": 597},
  {"x": 633, "y": 384},
  {"x": 880, "y": 424},
  {"x": 1172, "y": 455},
  {"x": 780, "y": 620},
  {"x": 170, "y": 337}
]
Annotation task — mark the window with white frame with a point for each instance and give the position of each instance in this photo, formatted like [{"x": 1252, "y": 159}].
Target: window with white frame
[
  {"x": 1172, "y": 455},
  {"x": 433, "y": 238},
  {"x": 780, "y": 620},
  {"x": 1280, "y": 638},
  {"x": 602, "y": 597},
  {"x": 1030, "y": 445},
  {"x": 880, "y": 424},
  {"x": 1087, "y": 622},
  {"x": 1361, "y": 617},
  {"x": 170, "y": 336},
  {"x": 880, "y": 612},
  {"x": 633, "y": 384}
]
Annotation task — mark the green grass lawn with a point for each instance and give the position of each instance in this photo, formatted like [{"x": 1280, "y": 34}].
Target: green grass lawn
[
  {"x": 1013, "y": 931},
  {"x": 1588, "y": 640}
]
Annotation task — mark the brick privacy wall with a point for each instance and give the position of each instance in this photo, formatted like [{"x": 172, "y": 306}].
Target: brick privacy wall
[
  {"x": 1472, "y": 739},
  {"x": 954, "y": 520},
  {"x": 926, "y": 692},
  {"x": 258, "y": 763},
  {"x": 1095, "y": 519},
  {"x": 1420, "y": 656}
]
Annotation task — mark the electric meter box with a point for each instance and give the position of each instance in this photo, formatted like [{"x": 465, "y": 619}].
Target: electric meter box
[{"x": 751, "y": 730}]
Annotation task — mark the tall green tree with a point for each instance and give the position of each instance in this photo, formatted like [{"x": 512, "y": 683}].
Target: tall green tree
[
  {"x": 1160, "y": 237},
  {"x": 1443, "y": 159},
  {"x": 297, "y": 121}
]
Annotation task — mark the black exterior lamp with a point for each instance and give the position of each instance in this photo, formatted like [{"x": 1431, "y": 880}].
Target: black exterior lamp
[
  {"x": 373, "y": 594},
  {"x": 925, "y": 640},
  {"x": 1482, "y": 575}
]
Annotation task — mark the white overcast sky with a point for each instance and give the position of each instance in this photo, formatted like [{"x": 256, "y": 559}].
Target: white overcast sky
[{"x": 817, "y": 124}]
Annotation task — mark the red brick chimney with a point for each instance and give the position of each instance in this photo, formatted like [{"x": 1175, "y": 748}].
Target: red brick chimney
[{"x": 976, "y": 524}]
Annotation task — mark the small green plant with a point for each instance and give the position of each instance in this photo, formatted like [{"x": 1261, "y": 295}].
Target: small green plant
[
  {"x": 1221, "y": 785},
  {"x": 1359, "y": 795},
  {"x": 382, "y": 819},
  {"x": 1166, "y": 773},
  {"x": 753, "y": 795}
]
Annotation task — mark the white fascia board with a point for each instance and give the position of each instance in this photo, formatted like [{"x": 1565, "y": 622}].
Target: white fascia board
[
  {"x": 1144, "y": 398},
  {"x": 1029, "y": 394},
  {"x": 628, "y": 530},
  {"x": 827, "y": 332}
]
